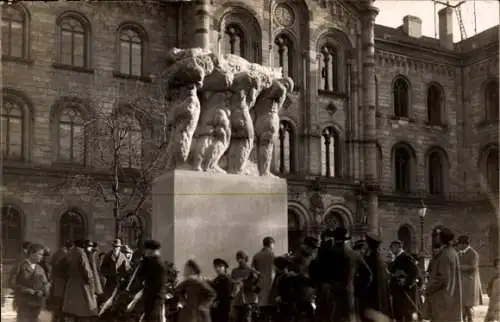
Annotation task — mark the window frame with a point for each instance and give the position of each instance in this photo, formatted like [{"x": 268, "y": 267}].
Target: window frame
[
  {"x": 286, "y": 126},
  {"x": 143, "y": 36},
  {"x": 239, "y": 32},
  {"x": 435, "y": 117},
  {"x": 397, "y": 108},
  {"x": 289, "y": 43},
  {"x": 26, "y": 25},
  {"x": 62, "y": 228},
  {"x": 335, "y": 69},
  {"x": 431, "y": 173},
  {"x": 26, "y": 106},
  {"x": 22, "y": 232},
  {"x": 58, "y": 122},
  {"x": 141, "y": 130},
  {"x": 334, "y": 134},
  {"x": 87, "y": 32},
  {"x": 410, "y": 168}
]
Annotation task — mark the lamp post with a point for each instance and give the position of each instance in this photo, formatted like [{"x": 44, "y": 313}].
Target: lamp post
[{"x": 422, "y": 211}]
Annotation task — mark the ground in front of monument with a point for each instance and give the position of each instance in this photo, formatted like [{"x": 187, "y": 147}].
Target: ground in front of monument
[{"x": 8, "y": 314}]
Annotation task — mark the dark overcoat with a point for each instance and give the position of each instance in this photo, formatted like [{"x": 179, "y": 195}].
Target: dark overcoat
[
  {"x": 403, "y": 286},
  {"x": 263, "y": 262},
  {"x": 377, "y": 296},
  {"x": 197, "y": 298},
  {"x": 113, "y": 269},
  {"x": 223, "y": 287},
  {"x": 152, "y": 273}
]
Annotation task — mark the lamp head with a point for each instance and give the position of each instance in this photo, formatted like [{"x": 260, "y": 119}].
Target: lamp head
[{"x": 422, "y": 212}]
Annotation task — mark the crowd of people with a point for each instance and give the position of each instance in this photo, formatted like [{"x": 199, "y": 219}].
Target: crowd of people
[{"x": 327, "y": 280}]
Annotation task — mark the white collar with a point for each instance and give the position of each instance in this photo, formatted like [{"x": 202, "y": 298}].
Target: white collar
[
  {"x": 400, "y": 252},
  {"x": 465, "y": 250}
]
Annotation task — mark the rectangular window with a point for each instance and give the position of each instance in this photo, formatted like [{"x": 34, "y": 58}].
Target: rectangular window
[
  {"x": 15, "y": 138},
  {"x": 64, "y": 142},
  {"x": 16, "y": 41},
  {"x": 66, "y": 47},
  {"x": 79, "y": 50},
  {"x": 124, "y": 58},
  {"x": 78, "y": 144},
  {"x": 136, "y": 68}
]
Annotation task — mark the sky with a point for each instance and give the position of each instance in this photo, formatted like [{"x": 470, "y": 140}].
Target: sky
[{"x": 392, "y": 13}]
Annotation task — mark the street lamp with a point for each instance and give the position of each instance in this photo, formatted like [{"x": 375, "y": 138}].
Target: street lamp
[{"x": 422, "y": 211}]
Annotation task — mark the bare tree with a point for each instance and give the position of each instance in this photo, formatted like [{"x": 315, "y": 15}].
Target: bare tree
[{"x": 126, "y": 144}]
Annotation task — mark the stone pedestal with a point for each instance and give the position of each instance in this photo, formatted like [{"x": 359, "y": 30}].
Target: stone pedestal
[{"x": 203, "y": 216}]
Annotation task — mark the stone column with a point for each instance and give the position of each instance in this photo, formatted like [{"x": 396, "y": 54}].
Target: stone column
[
  {"x": 202, "y": 21},
  {"x": 369, "y": 118}
]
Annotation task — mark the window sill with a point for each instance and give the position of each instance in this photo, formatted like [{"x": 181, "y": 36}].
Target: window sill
[
  {"x": 332, "y": 94},
  {"x": 20, "y": 60},
  {"x": 145, "y": 79},
  {"x": 402, "y": 119},
  {"x": 440, "y": 126},
  {"x": 486, "y": 123},
  {"x": 67, "y": 165},
  {"x": 73, "y": 68}
]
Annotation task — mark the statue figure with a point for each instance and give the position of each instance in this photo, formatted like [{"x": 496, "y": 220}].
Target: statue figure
[
  {"x": 246, "y": 86},
  {"x": 184, "y": 110},
  {"x": 267, "y": 121},
  {"x": 214, "y": 130}
]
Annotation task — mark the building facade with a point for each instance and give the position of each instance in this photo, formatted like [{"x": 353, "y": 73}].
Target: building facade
[{"x": 382, "y": 120}]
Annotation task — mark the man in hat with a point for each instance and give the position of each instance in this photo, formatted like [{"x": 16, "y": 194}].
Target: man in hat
[
  {"x": 471, "y": 282},
  {"x": 114, "y": 267},
  {"x": 444, "y": 288},
  {"x": 376, "y": 295},
  {"x": 223, "y": 287},
  {"x": 340, "y": 266},
  {"x": 152, "y": 273},
  {"x": 59, "y": 275},
  {"x": 403, "y": 283}
]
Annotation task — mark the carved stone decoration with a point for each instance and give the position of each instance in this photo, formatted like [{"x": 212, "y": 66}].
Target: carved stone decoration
[
  {"x": 331, "y": 108},
  {"x": 284, "y": 15},
  {"x": 210, "y": 100}
]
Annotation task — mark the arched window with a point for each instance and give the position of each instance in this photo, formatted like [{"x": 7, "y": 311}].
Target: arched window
[
  {"x": 12, "y": 233},
  {"x": 73, "y": 42},
  {"x": 14, "y": 29},
  {"x": 234, "y": 40},
  {"x": 491, "y": 100},
  {"x": 295, "y": 232},
  {"x": 401, "y": 94},
  {"x": 329, "y": 68},
  {"x": 492, "y": 172},
  {"x": 435, "y": 105},
  {"x": 285, "y": 147},
  {"x": 435, "y": 175},
  {"x": 330, "y": 153},
  {"x": 71, "y": 136},
  {"x": 284, "y": 55},
  {"x": 129, "y": 142},
  {"x": 405, "y": 235},
  {"x": 132, "y": 231},
  {"x": 131, "y": 52},
  {"x": 402, "y": 169},
  {"x": 12, "y": 129},
  {"x": 72, "y": 227}
]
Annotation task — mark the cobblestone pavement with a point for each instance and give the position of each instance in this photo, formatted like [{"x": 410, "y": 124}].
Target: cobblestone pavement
[{"x": 8, "y": 315}]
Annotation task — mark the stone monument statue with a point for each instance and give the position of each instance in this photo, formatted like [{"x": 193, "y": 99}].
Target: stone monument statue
[{"x": 210, "y": 99}]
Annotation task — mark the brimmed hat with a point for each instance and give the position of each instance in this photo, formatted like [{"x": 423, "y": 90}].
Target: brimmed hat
[
  {"x": 341, "y": 234},
  {"x": 282, "y": 262},
  {"x": 373, "y": 238},
  {"x": 126, "y": 249},
  {"x": 117, "y": 242},
  {"x": 220, "y": 262},
  {"x": 152, "y": 244}
]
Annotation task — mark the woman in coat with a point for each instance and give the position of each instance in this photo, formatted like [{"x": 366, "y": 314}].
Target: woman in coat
[
  {"x": 80, "y": 301},
  {"x": 196, "y": 296},
  {"x": 31, "y": 286}
]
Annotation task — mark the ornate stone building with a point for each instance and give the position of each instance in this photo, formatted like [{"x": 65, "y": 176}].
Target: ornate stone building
[{"x": 381, "y": 121}]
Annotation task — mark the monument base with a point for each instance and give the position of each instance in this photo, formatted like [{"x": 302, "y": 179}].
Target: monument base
[{"x": 203, "y": 216}]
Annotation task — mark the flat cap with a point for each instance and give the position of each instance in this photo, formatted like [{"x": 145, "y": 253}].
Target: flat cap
[
  {"x": 220, "y": 262},
  {"x": 152, "y": 244},
  {"x": 397, "y": 242}
]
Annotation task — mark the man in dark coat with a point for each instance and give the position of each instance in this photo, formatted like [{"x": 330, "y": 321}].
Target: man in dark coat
[
  {"x": 377, "y": 296},
  {"x": 340, "y": 266},
  {"x": 263, "y": 262},
  {"x": 403, "y": 283},
  {"x": 114, "y": 267},
  {"x": 223, "y": 287},
  {"x": 152, "y": 273},
  {"x": 59, "y": 276}
]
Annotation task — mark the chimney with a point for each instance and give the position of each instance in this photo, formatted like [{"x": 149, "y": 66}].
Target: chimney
[
  {"x": 446, "y": 27},
  {"x": 412, "y": 26}
]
